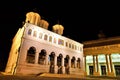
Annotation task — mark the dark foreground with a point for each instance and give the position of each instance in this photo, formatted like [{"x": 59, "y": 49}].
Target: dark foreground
[{"x": 53, "y": 77}]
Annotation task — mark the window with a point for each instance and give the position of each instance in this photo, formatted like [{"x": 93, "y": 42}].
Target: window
[
  {"x": 54, "y": 40},
  {"x": 69, "y": 45},
  {"x": 75, "y": 47},
  {"x": 35, "y": 34},
  {"x": 66, "y": 44},
  {"x": 80, "y": 48},
  {"x": 60, "y": 42},
  {"x": 40, "y": 35},
  {"x": 50, "y": 39},
  {"x": 29, "y": 31},
  {"x": 72, "y": 46},
  {"x": 31, "y": 55},
  {"x": 45, "y": 37}
]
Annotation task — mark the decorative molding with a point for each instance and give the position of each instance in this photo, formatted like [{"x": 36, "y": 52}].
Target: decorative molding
[{"x": 108, "y": 49}]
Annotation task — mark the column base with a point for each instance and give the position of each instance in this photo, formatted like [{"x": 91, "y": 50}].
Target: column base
[
  {"x": 96, "y": 73},
  {"x": 56, "y": 69},
  {"x": 85, "y": 73},
  {"x": 63, "y": 69},
  {"x": 111, "y": 74}
]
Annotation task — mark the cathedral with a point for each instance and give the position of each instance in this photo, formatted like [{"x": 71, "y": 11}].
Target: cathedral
[{"x": 35, "y": 50}]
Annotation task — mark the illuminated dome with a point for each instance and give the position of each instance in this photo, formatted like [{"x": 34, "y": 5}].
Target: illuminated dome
[{"x": 58, "y": 29}]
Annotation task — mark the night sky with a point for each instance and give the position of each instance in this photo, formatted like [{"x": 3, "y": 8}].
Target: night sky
[{"x": 82, "y": 21}]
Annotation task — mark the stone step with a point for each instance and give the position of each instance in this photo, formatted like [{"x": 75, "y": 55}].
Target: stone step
[{"x": 61, "y": 75}]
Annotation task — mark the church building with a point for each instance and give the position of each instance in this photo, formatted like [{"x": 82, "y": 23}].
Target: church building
[{"x": 35, "y": 50}]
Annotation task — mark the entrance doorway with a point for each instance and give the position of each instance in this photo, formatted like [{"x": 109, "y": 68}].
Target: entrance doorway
[
  {"x": 90, "y": 70},
  {"x": 117, "y": 70},
  {"x": 103, "y": 70}
]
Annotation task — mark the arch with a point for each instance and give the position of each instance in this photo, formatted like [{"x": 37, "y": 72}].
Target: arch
[
  {"x": 35, "y": 33},
  {"x": 52, "y": 56},
  {"x": 45, "y": 37},
  {"x": 73, "y": 62},
  {"x": 78, "y": 63},
  {"x": 31, "y": 55},
  {"x": 42, "y": 56},
  {"x": 29, "y": 31},
  {"x": 59, "y": 63},
  {"x": 66, "y": 61},
  {"x": 50, "y": 38}
]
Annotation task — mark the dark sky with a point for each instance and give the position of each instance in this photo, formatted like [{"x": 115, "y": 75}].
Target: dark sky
[{"x": 82, "y": 21}]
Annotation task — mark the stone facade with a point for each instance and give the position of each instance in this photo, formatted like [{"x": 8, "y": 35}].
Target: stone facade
[
  {"x": 37, "y": 50},
  {"x": 102, "y": 57}
]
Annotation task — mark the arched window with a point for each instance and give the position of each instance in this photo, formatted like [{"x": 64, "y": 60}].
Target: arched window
[
  {"x": 42, "y": 56},
  {"x": 31, "y": 55},
  {"x": 69, "y": 45},
  {"x": 29, "y": 31},
  {"x": 54, "y": 40},
  {"x": 50, "y": 39},
  {"x": 45, "y": 37},
  {"x": 35, "y": 34},
  {"x": 40, "y": 35},
  {"x": 72, "y": 46},
  {"x": 66, "y": 44}
]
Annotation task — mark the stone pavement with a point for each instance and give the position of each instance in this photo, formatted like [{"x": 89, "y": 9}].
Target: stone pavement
[{"x": 47, "y": 76}]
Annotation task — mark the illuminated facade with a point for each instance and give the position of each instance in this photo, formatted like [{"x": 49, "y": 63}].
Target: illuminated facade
[
  {"x": 37, "y": 50},
  {"x": 102, "y": 57}
]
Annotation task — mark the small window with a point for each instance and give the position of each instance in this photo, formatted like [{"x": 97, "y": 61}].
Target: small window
[
  {"x": 54, "y": 40},
  {"x": 72, "y": 46},
  {"x": 45, "y": 37},
  {"x": 50, "y": 39},
  {"x": 66, "y": 44},
  {"x": 29, "y": 31},
  {"x": 75, "y": 47},
  {"x": 69, "y": 45},
  {"x": 80, "y": 48},
  {"x": 35, "y": 34},
  {"x": 40, "y": 35}
]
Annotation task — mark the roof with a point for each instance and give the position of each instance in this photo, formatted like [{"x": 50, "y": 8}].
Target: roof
[{"x": 102, "y": 42}]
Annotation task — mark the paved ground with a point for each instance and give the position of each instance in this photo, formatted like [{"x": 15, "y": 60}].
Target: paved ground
[{"x": 54, "y": 77}]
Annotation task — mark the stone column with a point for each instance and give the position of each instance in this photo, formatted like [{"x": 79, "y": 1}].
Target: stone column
[
  {"x": 94, "y": 67},
  {"x": 46, "y": 59},
  {"x": 111, "y": 66},
  {"x": 97, "y": 66},
  {"x": 97, "y": 63},
  {"x": 107, "y": 64},
  {"x": 69, "y": 62},
  {"x": 36, "y": 57},
  {"x": 85, "y": 65},
  {"x": 75, "y": 64},
  {"x": 55, "y": 64},
  {"x": 63, "y": 67}
]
